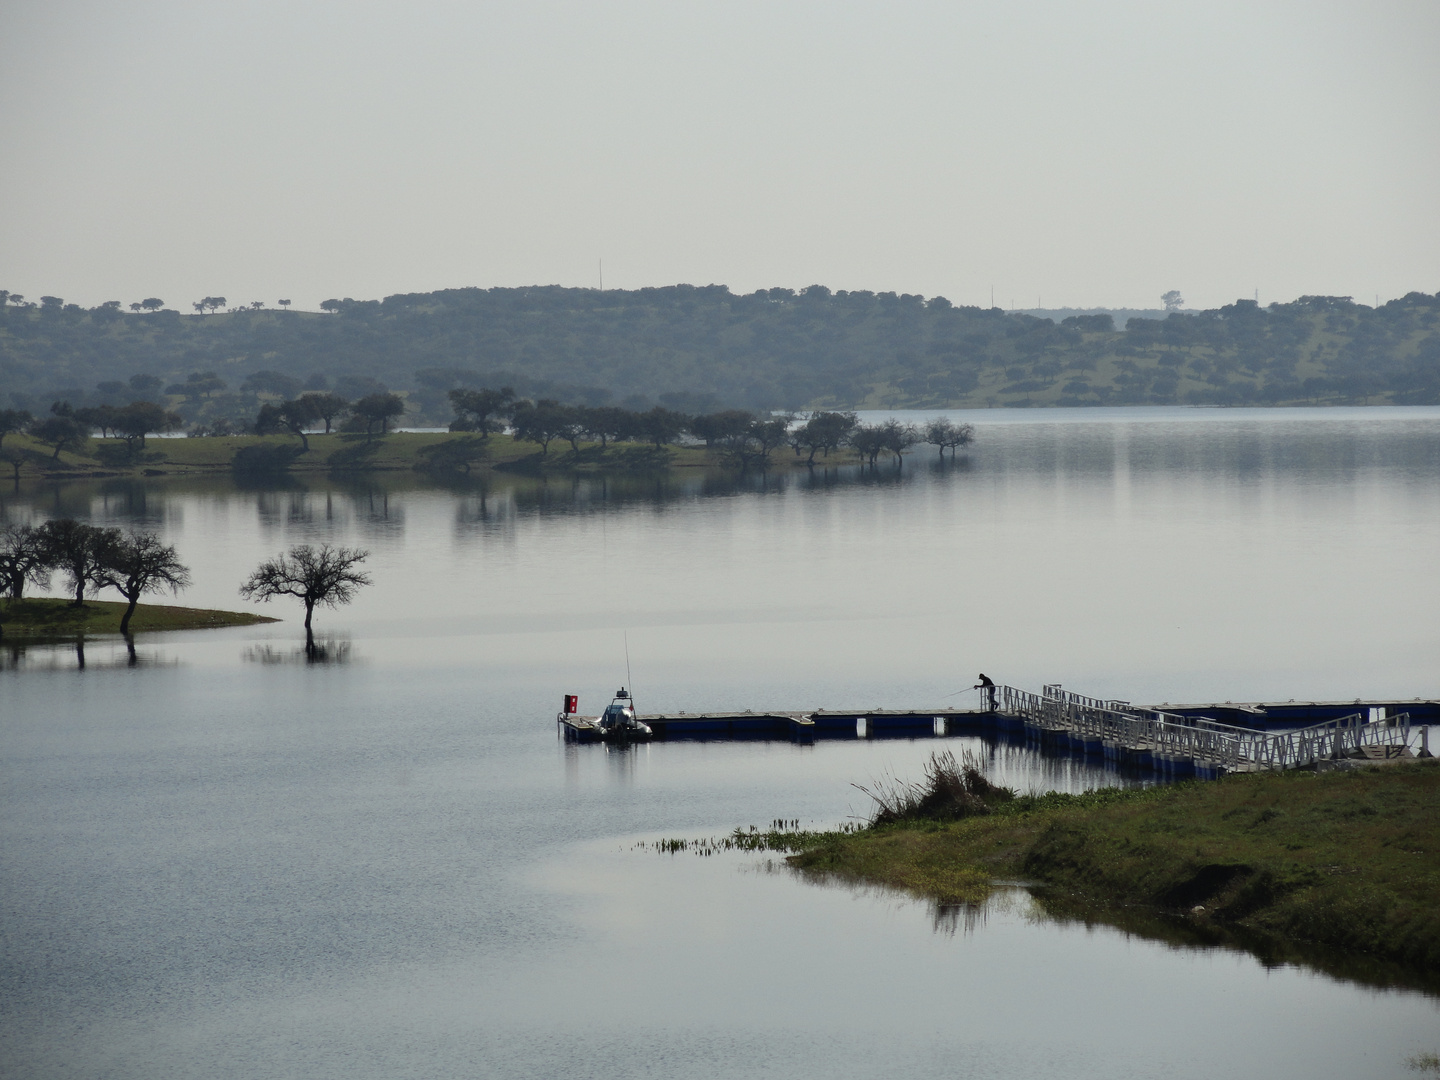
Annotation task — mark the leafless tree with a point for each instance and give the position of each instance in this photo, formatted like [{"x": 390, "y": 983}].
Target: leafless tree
[
  {"x": 946, "y": 434},
  {"x": 138, "y": 563},
  {"x": 22, "y": 560},
  {"x": 78, "y": 549},
  {"x": 325, "y": 575}
]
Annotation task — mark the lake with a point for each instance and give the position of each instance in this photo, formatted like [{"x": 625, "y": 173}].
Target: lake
[{"x": 221, "y": 861}]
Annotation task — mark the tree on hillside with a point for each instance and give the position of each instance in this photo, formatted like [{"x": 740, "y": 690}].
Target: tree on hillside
[
  {"x": 145, "y": 386},
  {"x": 270, "y": 382},
  {"x": 661, "y": 425},
  {"x": 12, "y": 421},
  {"x": 98, "y": 418},
  {"x": 138, "y": 563},
  {"x": 1172, "y": 300},
  {"x": 315, "y": 576},
  {"x": 152, "y": 303},
  {"x": 77, "y": 549},
  {"x": 944, "y": 433},
  {"x": 332, "y": 306},
  {"x": 141, "y": 418},
  {"x": 23, "y": 560},
  {"x": 292, "y": 416},
  {"x": 539, "y": 421},
  {"x": 607, "y": 422},
  {"x": 284, "y": 303},
  {"x": 721, "y": 426},
  {"x": 328, "y": 407},
  {"x": 203, "y": 384},
  {"x": 62, "y": 431},
  {"x": 475, "y": 408},
  {"x": 135, "y": 307},
  {"x": 378, "y": 409}
]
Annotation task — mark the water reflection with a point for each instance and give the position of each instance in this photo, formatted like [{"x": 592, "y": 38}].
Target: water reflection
[
  {"x": 1040, "y": 906},
  {"x": 331, "y": 651},
  {"x": 1272, "y": 951},
  {"x": 81, "y": 654},
  {"x": 1226, "y": 449}
]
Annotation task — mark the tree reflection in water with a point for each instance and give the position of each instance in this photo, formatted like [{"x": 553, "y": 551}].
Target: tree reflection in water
[
  {"x": 326, "y": 651},
  {"x": 79, "y": 654}
]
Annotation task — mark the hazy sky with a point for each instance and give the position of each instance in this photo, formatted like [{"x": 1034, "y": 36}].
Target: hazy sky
[{"x": 1076, "y": 154}]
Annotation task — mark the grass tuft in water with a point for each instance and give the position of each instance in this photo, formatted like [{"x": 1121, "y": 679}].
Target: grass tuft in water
[{"x": 950, "y": 790}]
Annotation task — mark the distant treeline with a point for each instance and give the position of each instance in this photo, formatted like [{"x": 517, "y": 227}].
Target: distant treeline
[
  {"x": 742, "y": 438},
  {"x": 704, "y": 349}
]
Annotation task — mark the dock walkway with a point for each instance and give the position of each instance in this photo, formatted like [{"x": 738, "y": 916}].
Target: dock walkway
[{"x": 1174, "y": 743}]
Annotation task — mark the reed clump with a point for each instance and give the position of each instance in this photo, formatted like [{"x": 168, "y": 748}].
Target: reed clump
[{"x": 950, "y": 790}]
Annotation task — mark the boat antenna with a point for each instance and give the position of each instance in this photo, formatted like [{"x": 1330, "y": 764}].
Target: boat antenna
[{"x": 628, "y": 679}]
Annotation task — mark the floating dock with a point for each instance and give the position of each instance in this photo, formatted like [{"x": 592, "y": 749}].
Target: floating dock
[
  {"x": 1270, "y": 715},
  {"x": 801, "y": 726},
  {"x": 1203, "y": 741}
]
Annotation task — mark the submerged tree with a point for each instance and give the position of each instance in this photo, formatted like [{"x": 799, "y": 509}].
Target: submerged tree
[
  {"x": 897, "y": 438},
  {"x": 137, "y": 564},
  {"x": 325, "y": 575},
  {"x": 824, "y": 432},
  {"x": 946, "y": 434}
]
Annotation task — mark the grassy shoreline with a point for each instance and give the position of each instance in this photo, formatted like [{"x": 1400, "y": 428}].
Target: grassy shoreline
[
  {"x": 1344, "y": 860},
  {"x": 38, "y": 617},
  {"x": 348, "y": 453}
]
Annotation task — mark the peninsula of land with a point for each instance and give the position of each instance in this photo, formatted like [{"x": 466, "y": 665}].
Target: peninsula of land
[
  {"x": 1348, "y": 859},
  {"x": 48, "y": 617}
]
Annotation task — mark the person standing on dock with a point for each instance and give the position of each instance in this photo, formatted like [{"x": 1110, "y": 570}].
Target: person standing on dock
[{"x": 989, "y": 687}]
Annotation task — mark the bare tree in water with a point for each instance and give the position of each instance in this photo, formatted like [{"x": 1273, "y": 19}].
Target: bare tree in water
[{"x": 325, "y": 575}]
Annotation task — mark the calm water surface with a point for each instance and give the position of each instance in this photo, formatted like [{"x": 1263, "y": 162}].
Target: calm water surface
[{"x": 222, "y": 862}]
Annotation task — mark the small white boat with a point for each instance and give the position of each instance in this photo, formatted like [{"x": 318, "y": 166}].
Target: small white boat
[{"x": 618, "y": 723}]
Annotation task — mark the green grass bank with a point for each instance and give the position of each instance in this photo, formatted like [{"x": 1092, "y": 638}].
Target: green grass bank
[
  {"x": 437, "y": 453},
  {"x": 47, "y": 617},
  {"x": 1348, "y": 860}
]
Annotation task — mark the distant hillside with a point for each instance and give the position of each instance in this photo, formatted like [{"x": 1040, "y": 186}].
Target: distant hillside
[
  {"x": 697, "y": 348},
  {"x": 1121, "y": 315}
]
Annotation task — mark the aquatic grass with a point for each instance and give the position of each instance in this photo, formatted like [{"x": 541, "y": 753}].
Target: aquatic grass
[
  {"x": 950, "y": 789},
  {"x": 782, "y": 836}
]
